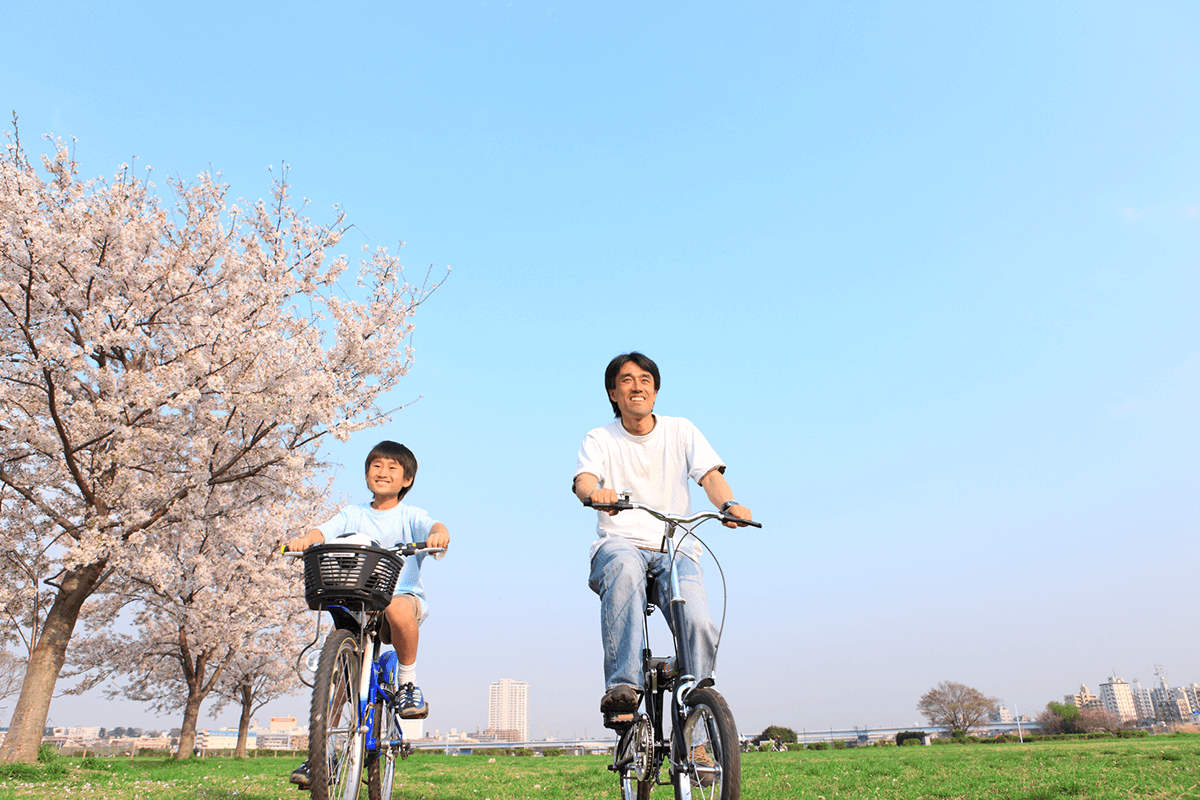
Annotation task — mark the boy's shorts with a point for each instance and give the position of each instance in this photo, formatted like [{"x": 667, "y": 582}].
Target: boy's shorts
[{"x": 417, "y": 607}]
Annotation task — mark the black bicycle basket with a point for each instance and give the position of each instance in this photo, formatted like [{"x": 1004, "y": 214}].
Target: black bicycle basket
[{"x": 350, "y": 574}]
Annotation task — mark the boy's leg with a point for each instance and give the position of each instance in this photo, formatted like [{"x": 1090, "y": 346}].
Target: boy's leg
[{"x": 403, "y": 617}]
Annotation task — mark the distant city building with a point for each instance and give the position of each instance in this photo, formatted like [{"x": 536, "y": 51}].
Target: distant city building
[
  {"x": 508, "y": 710},
  {"x": 224, "y": 739},
  {"x": 1117, "y": 698},
  {"x": 1001, "y": 714},
  {"x": 1193, "y": 693},
  {"x": 1142, "y": 701},
  {"x": 1084, "y": 699},
  {"x": 1170, "y": 705}
]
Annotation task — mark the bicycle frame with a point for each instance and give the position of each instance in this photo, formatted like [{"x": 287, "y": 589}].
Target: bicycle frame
[{"x": 637, "y": 761}]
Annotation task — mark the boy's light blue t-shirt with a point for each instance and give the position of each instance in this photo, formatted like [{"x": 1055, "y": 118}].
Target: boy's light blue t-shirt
[{"x": 402, "y": 524}]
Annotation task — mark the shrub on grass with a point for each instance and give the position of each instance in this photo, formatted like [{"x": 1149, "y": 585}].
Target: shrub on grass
[
  {"x": 839, "y": 744},
  {"x": 905, "y": 736},
  {"x": 819, "y": 745}
]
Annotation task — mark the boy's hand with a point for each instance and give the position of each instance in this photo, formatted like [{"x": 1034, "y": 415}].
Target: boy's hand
[
  {"x": 438, "y": 537},
  {"x": 301, "y": 543}
]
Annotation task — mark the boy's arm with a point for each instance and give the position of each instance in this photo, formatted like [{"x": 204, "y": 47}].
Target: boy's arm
[{"x": 307, "y": 540}]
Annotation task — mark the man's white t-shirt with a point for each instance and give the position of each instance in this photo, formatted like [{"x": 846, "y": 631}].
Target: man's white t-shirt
[
  {"x": 399, "y": 524},
  {"x": 654, "y": 469}
]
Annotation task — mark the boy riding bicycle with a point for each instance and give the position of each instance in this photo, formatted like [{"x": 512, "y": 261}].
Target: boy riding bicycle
[{"x": 384, "y": 522}]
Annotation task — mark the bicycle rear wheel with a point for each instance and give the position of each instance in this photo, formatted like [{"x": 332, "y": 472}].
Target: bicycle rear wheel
[
  {"x": 711, "y": 757},
  {"x": 335, "y": 746},
  {"x": 635, "y": 755},
  {"x": 381, "y": 767}
]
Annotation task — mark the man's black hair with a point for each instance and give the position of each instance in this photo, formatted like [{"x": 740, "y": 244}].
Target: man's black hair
[
  {"x": 614, "y": 366},
  {"x": 396, "y": 452}
]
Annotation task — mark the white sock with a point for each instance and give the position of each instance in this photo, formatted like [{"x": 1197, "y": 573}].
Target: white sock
[{"x": 406, "y": 673}]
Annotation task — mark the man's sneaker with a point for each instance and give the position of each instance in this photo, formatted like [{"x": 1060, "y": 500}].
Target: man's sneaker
[
  {"x": 706, "y": 768},
  {"x": 412, "y": 702},
  {"x": 301, "y": 776},
  {"x": 619, "y": 706}
]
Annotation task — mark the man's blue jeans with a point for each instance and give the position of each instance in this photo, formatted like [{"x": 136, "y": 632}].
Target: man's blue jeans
[{"x": 619, "y": 572}]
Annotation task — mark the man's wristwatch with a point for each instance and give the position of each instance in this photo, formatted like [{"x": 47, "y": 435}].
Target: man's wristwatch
[{"x": 728, "y": 504}]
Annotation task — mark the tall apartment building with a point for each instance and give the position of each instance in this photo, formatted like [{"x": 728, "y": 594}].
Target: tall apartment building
[
  {"x": 1193, "y": 694},
  {"x": 1084, "y": 699},
  {"x": 1142, "y": 701},
  {"x": 1117, "y": 698},
  {"x": 508, "y": 708},
  {"x": 1171, "y": 705}
]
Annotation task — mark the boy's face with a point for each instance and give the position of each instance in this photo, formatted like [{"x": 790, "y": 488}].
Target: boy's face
[{"x": 385, "y": 476}]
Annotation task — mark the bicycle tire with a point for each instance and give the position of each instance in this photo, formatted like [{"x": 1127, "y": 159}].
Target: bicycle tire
[
  {"x": 381, "y": 766},
  {"x": 335, "y": 745},
  {"x": 636, "y": 745},
  {"x": 711, "y": 761}
]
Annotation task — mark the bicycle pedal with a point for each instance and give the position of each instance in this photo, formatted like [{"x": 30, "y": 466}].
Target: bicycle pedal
[{"x": 619, "y": 721}]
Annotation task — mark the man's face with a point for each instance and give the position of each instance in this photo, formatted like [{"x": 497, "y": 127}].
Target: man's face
[
  {"x": 385, "y": 476},
  {"x": 635, "y": 393}
]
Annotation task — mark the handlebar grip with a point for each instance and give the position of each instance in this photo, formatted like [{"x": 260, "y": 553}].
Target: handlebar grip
[
  {"x": 609, "y": 506},
  {"x": 739, "y": 521}
]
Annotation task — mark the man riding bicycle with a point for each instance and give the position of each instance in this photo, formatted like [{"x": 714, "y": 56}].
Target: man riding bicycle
[{"x": 652, "y": 457}]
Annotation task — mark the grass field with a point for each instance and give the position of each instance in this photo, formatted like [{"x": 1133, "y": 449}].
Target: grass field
[{"x": 1157, "y": 767}]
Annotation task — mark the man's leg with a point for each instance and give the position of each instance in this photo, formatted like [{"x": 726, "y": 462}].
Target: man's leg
[
  {"x": 699, "y": 632},
  {"x": 618, "y": 576}
]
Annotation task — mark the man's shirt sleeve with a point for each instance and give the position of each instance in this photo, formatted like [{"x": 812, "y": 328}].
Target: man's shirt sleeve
[
  {"x": 701, "y": 457},
  {"x": 591, "y": 458}
]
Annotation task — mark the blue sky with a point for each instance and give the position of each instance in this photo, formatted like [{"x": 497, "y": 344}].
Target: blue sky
[{"x": 925, "y": 274}]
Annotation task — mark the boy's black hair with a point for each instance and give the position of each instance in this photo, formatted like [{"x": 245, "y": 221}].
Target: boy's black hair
[
  {"x": 614, "y": 366},
  {"x": 396, "y": 452}
]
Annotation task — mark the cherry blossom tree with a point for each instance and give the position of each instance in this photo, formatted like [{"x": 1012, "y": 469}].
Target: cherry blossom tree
[
  {"x": 151, "y": 353},
  {"x": 209, "y": 599},
  {"x": 263, "y": 671}
]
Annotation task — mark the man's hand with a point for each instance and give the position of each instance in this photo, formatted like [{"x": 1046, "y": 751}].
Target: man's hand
[
  {"x": 586, "y": 489},
  {"x": 606, "y": 497},
  {"x": 741, "y": 512}
]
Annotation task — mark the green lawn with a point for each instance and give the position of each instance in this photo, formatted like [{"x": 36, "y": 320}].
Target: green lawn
[{"x": 1157, "y": 767}]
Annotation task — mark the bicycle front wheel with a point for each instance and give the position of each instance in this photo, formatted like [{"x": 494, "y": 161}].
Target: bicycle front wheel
[
  {"x": 381, "y": 767},
  {"x": 710, "y": 766},
  {"x": 335, "y": 746}
]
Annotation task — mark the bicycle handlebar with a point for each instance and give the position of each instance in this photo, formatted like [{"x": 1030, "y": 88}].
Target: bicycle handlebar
[
  {"x": 404, "y": 549},
  {"x": 625, "y": 504}
]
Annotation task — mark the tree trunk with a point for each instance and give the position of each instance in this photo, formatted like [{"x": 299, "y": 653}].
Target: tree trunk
[
  {"x": 46, "y": 662},
  {"x": 244, "y": 721},
  {"x": 191, "y": 713}
]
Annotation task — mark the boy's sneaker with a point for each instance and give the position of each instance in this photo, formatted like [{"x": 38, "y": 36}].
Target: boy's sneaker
[
  {"x": 301, "y": 777},
  {"x": 412, "y": 702}
]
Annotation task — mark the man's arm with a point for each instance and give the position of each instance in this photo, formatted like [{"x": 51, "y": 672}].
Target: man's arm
[
  {"x": 586, "y": 489},
  {"x": 719, "y": 493}
]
